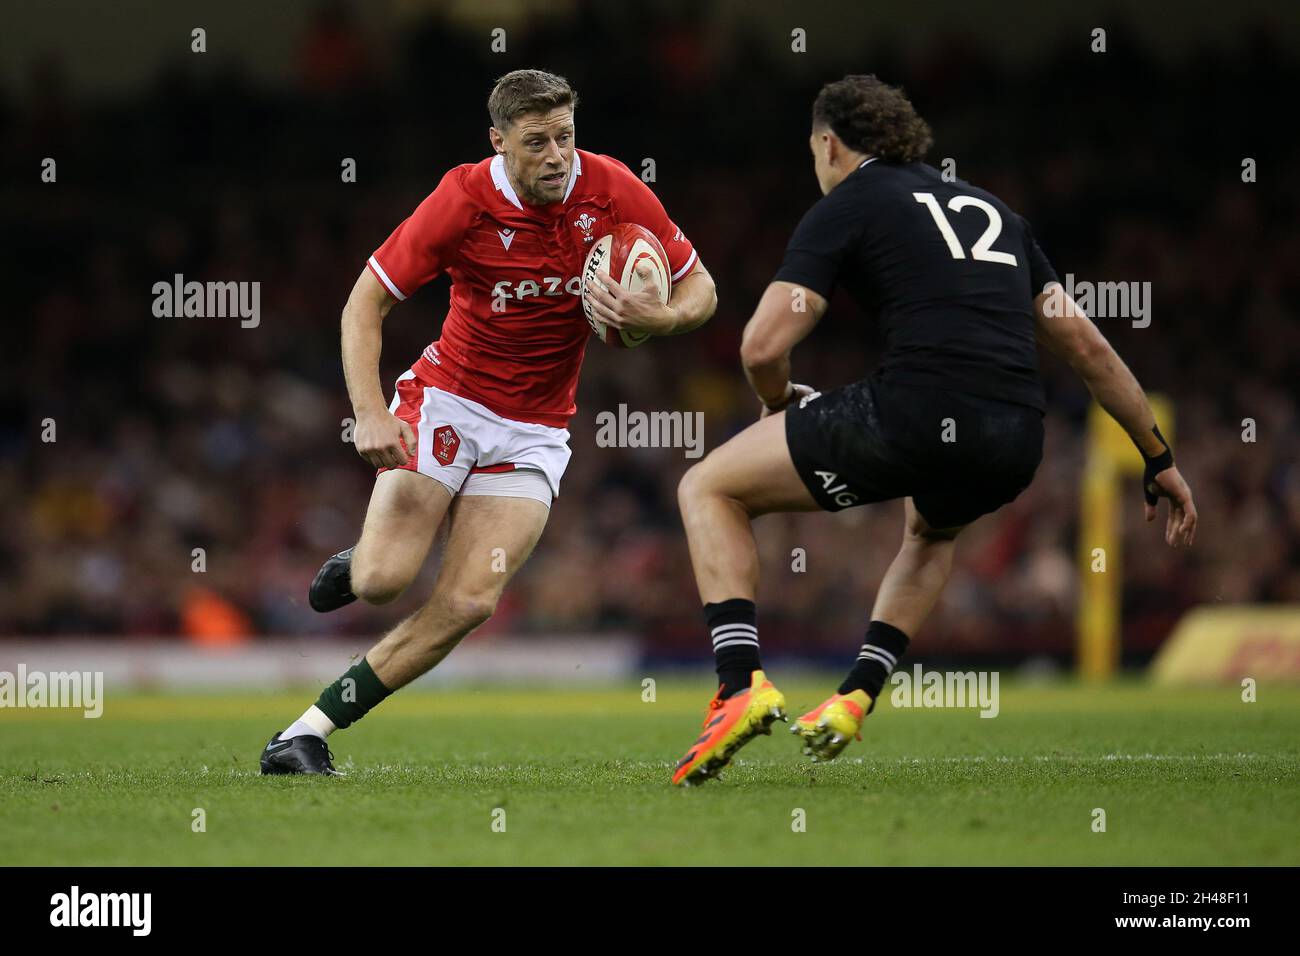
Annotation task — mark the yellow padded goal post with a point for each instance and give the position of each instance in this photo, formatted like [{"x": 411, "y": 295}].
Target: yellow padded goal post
[{"x": 1111, "y": 458}]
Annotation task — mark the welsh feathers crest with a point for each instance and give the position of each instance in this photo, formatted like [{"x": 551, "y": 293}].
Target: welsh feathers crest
[{"x": 585, "y": 222}]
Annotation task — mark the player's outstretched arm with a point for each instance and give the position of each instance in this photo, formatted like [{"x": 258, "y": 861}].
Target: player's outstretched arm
[
  {"x": 378, "y": 434},
  {"x": 784, "y": 317},
  {"x": 1067, "y": 331}
]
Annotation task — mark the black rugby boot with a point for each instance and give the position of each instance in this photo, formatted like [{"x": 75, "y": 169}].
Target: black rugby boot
[
  {"x": 331, "y": 589},
  {"x": 305, "y": 753}
]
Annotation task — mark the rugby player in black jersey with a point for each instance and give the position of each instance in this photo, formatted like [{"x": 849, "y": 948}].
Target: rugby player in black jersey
[{"x": 951, "y": 421}]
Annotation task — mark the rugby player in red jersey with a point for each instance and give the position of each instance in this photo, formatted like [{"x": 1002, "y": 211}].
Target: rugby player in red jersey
[{"x": 475, "y": 433}]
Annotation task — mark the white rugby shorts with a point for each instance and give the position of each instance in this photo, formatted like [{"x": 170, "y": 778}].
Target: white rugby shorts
[{"x": 471, "y": 450}]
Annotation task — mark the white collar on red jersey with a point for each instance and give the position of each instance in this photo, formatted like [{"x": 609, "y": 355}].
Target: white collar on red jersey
[{"x": 502, "y": 181}]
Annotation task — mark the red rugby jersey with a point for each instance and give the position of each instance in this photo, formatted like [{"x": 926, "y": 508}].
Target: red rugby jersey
[{"x": 514, "y": 335}]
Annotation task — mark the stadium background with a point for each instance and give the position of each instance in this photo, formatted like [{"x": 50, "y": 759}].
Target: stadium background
[{"x": 175, "y": 434}]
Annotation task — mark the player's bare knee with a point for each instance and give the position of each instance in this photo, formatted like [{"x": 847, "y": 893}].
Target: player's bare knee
[
  {"x": 695, "y": 485},
  {"x": 375, "y": 585}
]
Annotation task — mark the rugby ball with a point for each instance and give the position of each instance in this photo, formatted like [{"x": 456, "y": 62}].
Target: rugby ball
[{"x": 619, "y": 252}]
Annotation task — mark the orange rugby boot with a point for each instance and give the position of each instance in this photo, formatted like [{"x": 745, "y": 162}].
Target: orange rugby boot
[{"x": 728, "y": 726}]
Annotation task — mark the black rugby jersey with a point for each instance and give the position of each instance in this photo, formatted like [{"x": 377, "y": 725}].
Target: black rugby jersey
[{"x": 950, "y": 271}]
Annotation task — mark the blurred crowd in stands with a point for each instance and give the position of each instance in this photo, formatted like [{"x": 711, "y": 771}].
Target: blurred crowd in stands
[{"x": 182, "y": 434}]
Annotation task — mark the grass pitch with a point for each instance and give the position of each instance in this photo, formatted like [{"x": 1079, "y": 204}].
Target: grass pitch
[{"x": 1184, "y": 777}]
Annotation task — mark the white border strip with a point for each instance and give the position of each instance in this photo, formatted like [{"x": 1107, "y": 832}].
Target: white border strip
[
  {"x": 383, "y": 277},
  {"x": 686, "y": 268}
]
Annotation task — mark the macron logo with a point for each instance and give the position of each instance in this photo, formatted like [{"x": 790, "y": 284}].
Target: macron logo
[{"x": 507, "y": 236}]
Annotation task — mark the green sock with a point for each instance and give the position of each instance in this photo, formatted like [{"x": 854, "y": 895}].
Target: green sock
[{"x": 352, "y": 696}]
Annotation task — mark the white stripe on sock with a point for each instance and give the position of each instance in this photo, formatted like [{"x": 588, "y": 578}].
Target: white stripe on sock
[
  {"x": 883, "y": 654},
  {"x": 736, "y": 641},
  {"x": 724, "y": 628},
  {"x": 734, "y": 635},
  {"x": 872, "y": 656}
]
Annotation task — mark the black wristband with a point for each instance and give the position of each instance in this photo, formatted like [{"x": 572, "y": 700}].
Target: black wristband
[{"x": 1154, "y": 464}]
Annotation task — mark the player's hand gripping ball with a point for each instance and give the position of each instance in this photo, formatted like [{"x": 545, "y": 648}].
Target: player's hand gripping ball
[{"x": 619, "y": 253}]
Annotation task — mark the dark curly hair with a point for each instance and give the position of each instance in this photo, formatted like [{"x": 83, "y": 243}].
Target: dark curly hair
[{"x": 872, "y": 117}]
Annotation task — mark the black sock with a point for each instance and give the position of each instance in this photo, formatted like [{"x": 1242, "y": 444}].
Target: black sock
[
  {"x": 735, "y": 643},
  {"x": 352, "y": 696},
  {"x": 884, "y": 646}
]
